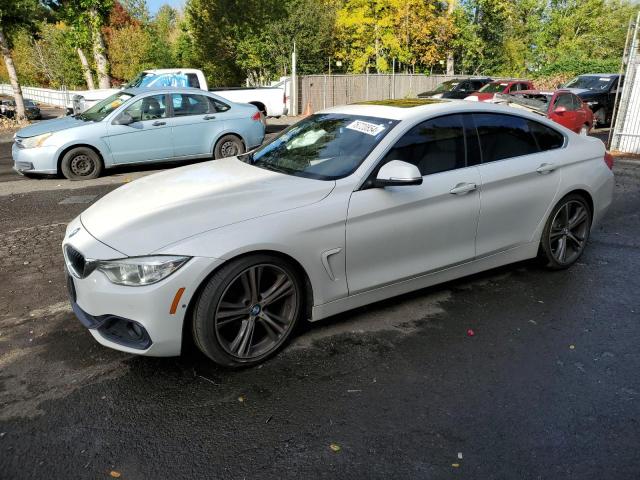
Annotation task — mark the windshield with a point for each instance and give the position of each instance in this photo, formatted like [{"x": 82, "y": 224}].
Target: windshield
[
  {"x": 148, "y": 79},
  {"x": 590, "y": 82},
  {"x": 447, "y": 86},
  {"x": 101, "y": 109},
  {"x": 493, "y": 87},
  {"x": 324, "y": 146},
  {"x": 29, "y": 103}
]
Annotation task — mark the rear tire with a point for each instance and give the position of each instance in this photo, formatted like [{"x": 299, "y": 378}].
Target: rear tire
[
  {"x": 566, "y": 233},
  {"x": 228, "y": 146},
  {"x": 81, "y": 163},
  {"x": 247, "y": 310}
]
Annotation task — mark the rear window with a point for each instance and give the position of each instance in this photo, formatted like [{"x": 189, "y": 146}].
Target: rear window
[
  {"x": 504, "y": 136},
  {"x": 547, "y": 138}
]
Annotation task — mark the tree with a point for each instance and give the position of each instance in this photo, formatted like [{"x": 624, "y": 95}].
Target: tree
[{"x": 14, "y": 14}]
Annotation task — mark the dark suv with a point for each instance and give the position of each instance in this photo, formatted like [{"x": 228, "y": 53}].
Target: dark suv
[
  {"x": 598, "y": 90},
  {"x": 458, "y": 88}
]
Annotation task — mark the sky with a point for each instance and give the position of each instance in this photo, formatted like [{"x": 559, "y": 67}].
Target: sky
[{"x": 154, "y": 5}]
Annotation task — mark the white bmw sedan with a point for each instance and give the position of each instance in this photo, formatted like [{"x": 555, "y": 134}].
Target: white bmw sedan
[{"x": 349, "y": 206}]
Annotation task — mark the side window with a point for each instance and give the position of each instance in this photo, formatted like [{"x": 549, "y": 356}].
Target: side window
[
  {"x": 503, "y": 136},
  {"x": 477, "y": 86},
  {"x": 434, "y": 146},
  {"x": 148, "y": 108},
  {"x": 577, "y": 103},
  {"x": 217, "y": 106},
  {"x": 548, "y": 138},
  {"x": 565, "y": 101},
  {"x": 184, "y": 105},
  {"x": 192, "y": 80}
]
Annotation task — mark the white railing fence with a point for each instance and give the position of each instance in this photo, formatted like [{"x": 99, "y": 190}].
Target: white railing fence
[{"x": 49, "y": 96}]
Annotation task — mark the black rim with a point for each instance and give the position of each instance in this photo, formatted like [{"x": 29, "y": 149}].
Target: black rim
[
  {"x": 229, "y": 148},
  {"x": 569, "y": 231},
  {"x": 256, "y": 311},
  {"x": 82, "y": 165}
]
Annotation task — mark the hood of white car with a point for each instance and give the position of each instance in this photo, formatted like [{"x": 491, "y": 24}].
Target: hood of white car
[{"x": 153, "y": 212}]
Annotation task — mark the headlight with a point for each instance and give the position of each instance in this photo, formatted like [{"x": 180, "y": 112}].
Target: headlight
[
  {"x": 37, "y": 141},
  {"x": 139, "y": 271},
  {"x": 437, "y": 95}
]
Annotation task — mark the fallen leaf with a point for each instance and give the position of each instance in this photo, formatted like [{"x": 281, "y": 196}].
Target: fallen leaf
[
  {"x": 572, "y": 347},
  {"x": 455, "y": 465},
  {"x": 115, "y": 474},
  {"x": 241, "y": 399},
  {"x": 335, "y": 447},
  {"x": 470, "y": 333}
]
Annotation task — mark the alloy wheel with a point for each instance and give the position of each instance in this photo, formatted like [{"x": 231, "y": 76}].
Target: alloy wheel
[
  {"x": 569, "y": 231},
  {"x": 256, "y": 311}
]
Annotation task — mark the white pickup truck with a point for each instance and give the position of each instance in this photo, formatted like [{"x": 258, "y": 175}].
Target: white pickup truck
[{"x": 271, "y": 101}]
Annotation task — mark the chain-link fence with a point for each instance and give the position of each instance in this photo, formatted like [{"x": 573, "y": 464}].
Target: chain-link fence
[
  {"x": 324, "y": 91},
  {"x": 626, "y": 130}
]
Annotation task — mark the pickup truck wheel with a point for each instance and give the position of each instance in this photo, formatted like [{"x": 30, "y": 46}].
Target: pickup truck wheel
[
  {"x": 81, "y": 163},
  {"x": 228, "y": 146}
]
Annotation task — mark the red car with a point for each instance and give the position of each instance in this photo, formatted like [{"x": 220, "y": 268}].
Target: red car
[
  {"x": 499, "y": 86},
  {"x": 561, "y": 106}
]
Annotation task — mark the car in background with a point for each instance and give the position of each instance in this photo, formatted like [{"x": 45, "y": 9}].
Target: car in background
[
  {"x": 561, "y": 106},
  {"x": 459, "y": 88},
  {"x": 138, "y": 126},
  {"x": 349, "y": 206},
  {"x": 32, "y": 110},
  {"x": 598, "y": 91},
  {"x": 499, "y": 86}
]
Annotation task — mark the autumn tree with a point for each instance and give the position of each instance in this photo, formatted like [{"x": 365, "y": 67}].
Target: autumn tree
[{"x": 14, "y": 14}]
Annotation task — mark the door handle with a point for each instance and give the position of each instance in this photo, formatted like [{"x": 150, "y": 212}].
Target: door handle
[
  {"x": 462, "y": 188},
  {"x": 209, "y": 117},
  {"x": 158, "y": 123},
  {"x": 546, "y": 168}
]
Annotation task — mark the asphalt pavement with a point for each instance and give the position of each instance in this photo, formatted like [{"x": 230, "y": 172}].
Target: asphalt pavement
[{"x": 547, "y": 387}]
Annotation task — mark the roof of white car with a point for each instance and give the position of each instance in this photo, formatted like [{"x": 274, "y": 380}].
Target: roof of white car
[{"x": 409, "y": 109}]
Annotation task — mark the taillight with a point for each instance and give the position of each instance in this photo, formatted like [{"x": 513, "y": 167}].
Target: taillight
[
  {"x": 256, "y": 117},
  {"x": 608, "y": 159}
]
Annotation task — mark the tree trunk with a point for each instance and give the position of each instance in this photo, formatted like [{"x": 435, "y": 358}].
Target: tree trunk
[
  {"x": 86, "y": 71},
  {"x": 13, "y": 76},
  {"x": 99, "y": 51},
  {"x": 450, "y": 62}
]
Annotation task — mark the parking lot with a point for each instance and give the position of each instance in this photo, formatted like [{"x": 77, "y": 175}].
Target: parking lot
[{"x": 546, "y": 387}]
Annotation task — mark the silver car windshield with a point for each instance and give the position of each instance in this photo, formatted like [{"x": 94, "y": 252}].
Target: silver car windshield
[
  {"x": 324, "y": 146},
  {"x": 101, "y": 109}
]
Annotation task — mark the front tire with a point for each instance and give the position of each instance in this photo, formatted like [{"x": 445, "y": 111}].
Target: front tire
[
  {"x": 248, "y": 310},
  {"x": 228, "y": 146},
  {"x": 566, "y": 233},
  {"x": 81, "y": 163}
]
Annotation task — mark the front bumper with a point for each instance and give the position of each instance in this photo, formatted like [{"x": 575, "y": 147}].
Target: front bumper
[
  {"x": 136, "y": 320},
  {"x": 35, "y": 160}
]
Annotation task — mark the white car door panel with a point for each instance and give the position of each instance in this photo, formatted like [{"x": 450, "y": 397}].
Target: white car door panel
[
  {"x": 395, "y": 233},
  {"x": 517, "y": 191}
]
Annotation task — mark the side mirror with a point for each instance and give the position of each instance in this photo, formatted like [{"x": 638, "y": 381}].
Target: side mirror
[
  {"x": 123, "y": 119},
  {"x": 560, "y": 110},
  {"x": 398, "y": 173}
]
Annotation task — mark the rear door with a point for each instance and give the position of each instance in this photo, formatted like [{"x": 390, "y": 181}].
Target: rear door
[
  {"x": 520, "y": 177},
  {"x": 197, "y": 124},
  {"x": 148, "y": 138}
]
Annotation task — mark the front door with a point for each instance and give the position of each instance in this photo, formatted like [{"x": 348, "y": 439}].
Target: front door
[
  {"x": 396, "y": 233},
  {"x": 567, "y": 117},
  {"x": 148, "y": 138}
]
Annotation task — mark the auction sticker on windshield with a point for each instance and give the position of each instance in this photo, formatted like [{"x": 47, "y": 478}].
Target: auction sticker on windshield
[{"x": 365, "y": 127}]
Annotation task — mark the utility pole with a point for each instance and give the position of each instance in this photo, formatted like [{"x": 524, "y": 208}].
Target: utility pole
[
  {"x": 294, "y": 82},
  {"x": 451, "y": 6}
]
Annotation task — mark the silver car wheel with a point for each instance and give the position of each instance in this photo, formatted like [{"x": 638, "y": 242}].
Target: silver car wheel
[
  {"x": 569, "y": 230},
  {"x": 256, "y": 311}
]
